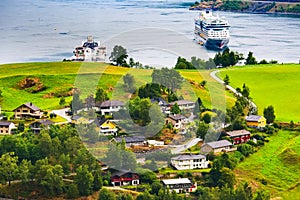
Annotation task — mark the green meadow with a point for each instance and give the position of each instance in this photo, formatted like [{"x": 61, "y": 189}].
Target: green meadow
[
  {"x": 275, "y": 167},
  {"x": 61, "y": 77},
  {"x": 276, "y": 85}
]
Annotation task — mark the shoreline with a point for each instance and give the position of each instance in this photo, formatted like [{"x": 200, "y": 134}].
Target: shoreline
[{"x": 249, "y": 12}]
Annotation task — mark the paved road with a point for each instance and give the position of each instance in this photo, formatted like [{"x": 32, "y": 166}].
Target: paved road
[
  {"x": 214, "y": 76},
  {"x": 62, "y": 113},
  {"x": 189, "y": 144}
]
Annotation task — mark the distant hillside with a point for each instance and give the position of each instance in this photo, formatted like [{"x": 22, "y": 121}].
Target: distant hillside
[{"x": 264, "y": 6}]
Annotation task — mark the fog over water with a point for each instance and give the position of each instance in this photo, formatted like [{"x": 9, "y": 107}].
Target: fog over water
[{"x": 154, "y": 32}]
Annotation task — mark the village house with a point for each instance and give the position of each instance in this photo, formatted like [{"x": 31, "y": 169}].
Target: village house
[
  {"x": 121, "y": 178},
  {"x": 179, "y": 185},
  {"x": 107, "y": 127},
  {"x": 176, "y": 120},
  {"x": 256, "y": 121},
  {"x": 43, "y": 124},
  {"x": 28, "y": 110},
  {"x": 239, "y": 136},
  {"x": 183, "y": 162},
  {"x": 6, "y": 128},
  {"x": 155, "y": 143},
  {"x": 108, "y": 107},
  {"x": 164, "y": 106},
  {"x": 185, "y": 105},
  {"x": 132, "y": 140},
  {"x": 217, "y": 147}
]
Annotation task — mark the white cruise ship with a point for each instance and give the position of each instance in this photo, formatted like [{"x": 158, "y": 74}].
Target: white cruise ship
[
  {"x": 89, "y": 51},
  {"x": 212, "y": 31}
]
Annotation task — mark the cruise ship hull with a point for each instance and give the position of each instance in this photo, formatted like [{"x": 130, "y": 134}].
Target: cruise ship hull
[
  {"x": 212, "y": 44},
  {"x": 216, "y": 44}
]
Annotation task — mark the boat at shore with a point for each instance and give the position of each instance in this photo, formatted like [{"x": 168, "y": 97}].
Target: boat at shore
[
  {"x": 89, "y": 51},
  {"x": 212, "y": 31}
]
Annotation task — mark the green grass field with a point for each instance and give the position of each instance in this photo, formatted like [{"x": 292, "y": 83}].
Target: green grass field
[
  {"x": 276, "y": 165},
  {"x": 276, "y": 85},
  {"x": 63, "y": 76}
]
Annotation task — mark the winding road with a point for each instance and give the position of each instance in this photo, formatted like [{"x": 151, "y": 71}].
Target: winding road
[{"x": 214, "y": 76}]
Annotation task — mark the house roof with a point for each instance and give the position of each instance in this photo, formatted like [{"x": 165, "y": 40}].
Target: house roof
[
  {"x": 121, "y": 173},
  {"x": 44, "y": 122},
  {"x": 158, "y": 100},
  {"x": 176, "y": 181},
  {"x": 253, "y": 118},
  {"x": 30, "y": 105},
  {"x": 76, "y": 117},
  {"x": 237, "y": 133},
  {"x": 104, "y": 120},
  {"x": 188, "y": 157},
  {"x": 111, "y": 103},
  {"x": 182, "y": 102},
  {"x": 218, "y": 144},
  {"x": 5, "y": 123},
  {"x": 177, "y": 117},
  {"x": 131, "y": 139}
]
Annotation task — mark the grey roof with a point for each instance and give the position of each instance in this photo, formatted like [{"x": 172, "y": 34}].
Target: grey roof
[
  {"x": 182, "y": 102},
  {"x": 253, "y": 118},
  {"x": 5, "y": 123},
  {"x": 30, "y": 106},
  {"x": 76, "y": 117},
  {"x": 112, "y": 103},
  {"x": 131, "y": 139},
  {"x": 176, "y": 181},
  {"x": 188, "y": 157},
  {"x": 218, "y": 144},
  {"x": 237, "y": 133},
  {"x": 177, "y": 117},
  {"x": 158, "y": 100}
]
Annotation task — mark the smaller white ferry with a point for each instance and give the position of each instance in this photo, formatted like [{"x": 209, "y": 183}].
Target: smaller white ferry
[{"x": 89, "y": 51}]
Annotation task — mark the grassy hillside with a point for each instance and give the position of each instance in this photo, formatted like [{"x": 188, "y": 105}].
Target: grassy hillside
[
  {"x": 276, "y": 85},
  {"x": 275, "y": 167},
  {"x": 61, "y": 77}
]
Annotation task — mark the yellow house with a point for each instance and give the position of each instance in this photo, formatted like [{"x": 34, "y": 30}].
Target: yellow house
[
  {"x": 107, "y": 127},
  {"x": 256, "y": 121}
]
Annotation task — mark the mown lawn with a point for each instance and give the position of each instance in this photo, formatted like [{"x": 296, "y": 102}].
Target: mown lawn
[
  {"x": 275, "y": 167},
  {"x": 276, "y": 85}
]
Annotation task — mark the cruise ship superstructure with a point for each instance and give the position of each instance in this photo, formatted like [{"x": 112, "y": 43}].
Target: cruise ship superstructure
[
  {"x": 212, "y": 31},
  {"x": 89, "y": 51}
]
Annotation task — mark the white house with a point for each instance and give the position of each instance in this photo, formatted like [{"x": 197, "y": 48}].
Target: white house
[
  {"x": 6, "y": 128},
  {"x": 184, "y": 105},
  {"x": 108, "y": 107},
  {"x": 182, "y": 162},
  {"x": 179, "y": 185}
]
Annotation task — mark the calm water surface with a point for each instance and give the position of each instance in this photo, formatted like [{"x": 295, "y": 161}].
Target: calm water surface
[{"x": 153, "y": 31}]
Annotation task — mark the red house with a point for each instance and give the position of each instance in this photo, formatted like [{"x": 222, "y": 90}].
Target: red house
[
  {"x": 124, "y": 178},
  {"x": 239, "y": 136}
]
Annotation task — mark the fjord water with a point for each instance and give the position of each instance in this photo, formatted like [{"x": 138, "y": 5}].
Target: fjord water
[{"x": 48, "y": 30}]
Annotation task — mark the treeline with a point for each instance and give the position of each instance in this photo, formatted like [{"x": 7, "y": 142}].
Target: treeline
[{"x": 221, "y": 59}]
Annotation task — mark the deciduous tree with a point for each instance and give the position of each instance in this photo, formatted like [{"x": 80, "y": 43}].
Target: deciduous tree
[
  {"x": 8, "y": 167},
  {"x": 269, "y": 114}
]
